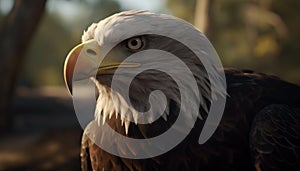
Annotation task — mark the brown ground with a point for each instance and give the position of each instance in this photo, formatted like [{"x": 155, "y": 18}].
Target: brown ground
[{"x": 45, "y": 134}]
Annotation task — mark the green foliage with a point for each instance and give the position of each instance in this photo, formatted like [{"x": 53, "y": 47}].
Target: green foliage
[
  {"x": 44, "y": 60},
  {"x": 182, "y": 8},
  {"x": 262, "y": 35},
  {"x": 257, "y": 34},
  {"x": 55, "y": 37}
]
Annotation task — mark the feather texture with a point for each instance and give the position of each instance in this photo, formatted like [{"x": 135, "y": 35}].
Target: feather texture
[{"x": 251, "y": 127}]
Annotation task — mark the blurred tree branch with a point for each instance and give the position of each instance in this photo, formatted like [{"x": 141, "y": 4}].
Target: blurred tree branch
[
  {"x": 203, "y": 16},
  {"x": 17, "y": 30}
]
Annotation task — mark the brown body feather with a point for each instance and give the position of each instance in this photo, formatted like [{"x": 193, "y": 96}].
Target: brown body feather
[{"x": 260, "y": 129}]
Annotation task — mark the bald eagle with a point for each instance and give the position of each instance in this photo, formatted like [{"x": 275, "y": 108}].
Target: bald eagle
[{"x": 260, "y": 125}]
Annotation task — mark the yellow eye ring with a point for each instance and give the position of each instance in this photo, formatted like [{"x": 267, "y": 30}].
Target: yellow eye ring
[{"x": 135, "y": 43}]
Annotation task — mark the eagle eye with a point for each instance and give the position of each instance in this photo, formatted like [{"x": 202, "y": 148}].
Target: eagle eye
[{"x": 135, "y": 43}]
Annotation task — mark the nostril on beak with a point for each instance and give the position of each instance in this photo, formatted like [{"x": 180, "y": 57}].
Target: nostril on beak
[{"x": 91, "y": 52}]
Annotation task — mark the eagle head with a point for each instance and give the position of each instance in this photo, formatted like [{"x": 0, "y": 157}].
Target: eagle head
[{"x": 155, "y": 52}]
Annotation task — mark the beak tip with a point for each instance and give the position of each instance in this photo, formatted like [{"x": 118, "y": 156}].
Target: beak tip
[{"x": 71, "y": 61}]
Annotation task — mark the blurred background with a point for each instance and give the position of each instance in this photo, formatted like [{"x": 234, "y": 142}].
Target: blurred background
[{"x": 38, "y": 126}]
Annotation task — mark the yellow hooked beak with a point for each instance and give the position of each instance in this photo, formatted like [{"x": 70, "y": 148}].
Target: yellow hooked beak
[{"x": 88, "y": 63}]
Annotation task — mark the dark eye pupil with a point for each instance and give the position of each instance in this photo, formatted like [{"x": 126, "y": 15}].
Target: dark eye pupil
[{"x": 134, "y": 42}]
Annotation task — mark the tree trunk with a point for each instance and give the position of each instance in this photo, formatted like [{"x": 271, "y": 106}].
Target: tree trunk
[
  {"x": 17, "y": 30},
  {"x": 203, "y": 16}
]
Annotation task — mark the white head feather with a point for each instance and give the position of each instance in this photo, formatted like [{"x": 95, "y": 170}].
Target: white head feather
[{"x": 127, "y": 24}]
